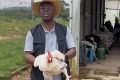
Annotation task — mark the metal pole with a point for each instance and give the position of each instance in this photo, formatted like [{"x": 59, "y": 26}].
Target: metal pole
[{"x": 33, "y": 18}]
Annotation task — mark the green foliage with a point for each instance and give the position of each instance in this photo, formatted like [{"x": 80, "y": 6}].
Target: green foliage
[
  {"x": 60, "y": 20},
  {"x": 65, "y": 14}
]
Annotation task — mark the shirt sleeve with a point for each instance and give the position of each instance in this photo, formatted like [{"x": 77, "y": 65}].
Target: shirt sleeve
[
  {"x": 69, "y": 39},
  {"x": 29, "y": 42}
]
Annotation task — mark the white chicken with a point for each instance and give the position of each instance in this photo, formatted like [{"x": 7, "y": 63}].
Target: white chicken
[{"x": 52, "y": 63}]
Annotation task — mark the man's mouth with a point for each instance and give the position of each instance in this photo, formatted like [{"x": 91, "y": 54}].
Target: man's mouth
[{"x": 46, "y": 15}]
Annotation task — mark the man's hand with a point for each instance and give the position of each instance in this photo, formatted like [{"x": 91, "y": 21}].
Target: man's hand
[
  {"x": 66, "y": 57},
  {"x": 29, "y": 58}
]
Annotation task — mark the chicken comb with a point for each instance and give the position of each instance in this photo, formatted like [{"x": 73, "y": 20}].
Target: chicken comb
[{"x": 49, "y": 57}]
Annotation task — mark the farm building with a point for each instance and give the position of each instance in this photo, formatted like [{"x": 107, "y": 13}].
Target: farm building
[{"x": 88, "y": 17}]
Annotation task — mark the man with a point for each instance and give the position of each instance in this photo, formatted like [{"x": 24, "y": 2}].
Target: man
[{"x": 48, "y": 35}]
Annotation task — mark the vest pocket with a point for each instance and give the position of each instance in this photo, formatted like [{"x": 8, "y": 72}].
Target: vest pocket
[
  {"x": 62, "y": 45},
  {"x": 38, "y": 48}
]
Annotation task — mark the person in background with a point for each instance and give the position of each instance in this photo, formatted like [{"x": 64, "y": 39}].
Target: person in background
[
  {"x": 117, "y": 29},
  {"x": 109, "y": 26},
  {"x": 48, "y": 35}
]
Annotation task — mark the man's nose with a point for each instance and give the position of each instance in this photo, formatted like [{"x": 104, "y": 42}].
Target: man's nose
[{"x": 45, "y": 9}]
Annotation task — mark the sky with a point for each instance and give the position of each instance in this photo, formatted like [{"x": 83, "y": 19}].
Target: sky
[
  {"x": 67, "y": 1},
  {"x": 18, "y": 3}
]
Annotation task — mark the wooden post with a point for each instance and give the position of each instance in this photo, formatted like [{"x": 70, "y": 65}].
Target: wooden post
[{"x": 75, "y": 28}]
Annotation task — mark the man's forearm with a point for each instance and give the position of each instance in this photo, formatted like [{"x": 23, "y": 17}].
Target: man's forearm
[
  {"x": 29, "y": 58},
  {"x": 71, "y": 53}
]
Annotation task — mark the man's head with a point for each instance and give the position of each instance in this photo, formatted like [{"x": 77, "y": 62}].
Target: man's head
[
  {"x": 47, "y": 11},
  {"x": 53, "y": 6}
]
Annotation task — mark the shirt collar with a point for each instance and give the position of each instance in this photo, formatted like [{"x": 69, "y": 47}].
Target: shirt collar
[{"x": 49, "y": 31}]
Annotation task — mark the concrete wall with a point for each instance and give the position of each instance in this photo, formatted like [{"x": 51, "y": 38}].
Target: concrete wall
[{"x": 92, "y": 16}]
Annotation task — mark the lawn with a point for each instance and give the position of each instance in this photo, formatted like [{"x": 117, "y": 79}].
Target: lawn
[
  {"x": 11, "y": 56},
  {"x": 14, "y": 22},
  {"x": 11, "y": 49}
]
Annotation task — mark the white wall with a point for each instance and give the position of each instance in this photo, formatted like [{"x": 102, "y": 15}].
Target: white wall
[
  {"x": 75, "y": 28},
  {"x": 14, "y": 3},
  {"x": 112, "y": 10}
]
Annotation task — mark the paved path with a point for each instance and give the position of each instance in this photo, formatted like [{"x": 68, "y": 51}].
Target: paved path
[{"x": 103, "y": 77}]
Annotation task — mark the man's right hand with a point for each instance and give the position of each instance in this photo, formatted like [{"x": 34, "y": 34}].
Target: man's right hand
[{"x": 29, "y": 57}]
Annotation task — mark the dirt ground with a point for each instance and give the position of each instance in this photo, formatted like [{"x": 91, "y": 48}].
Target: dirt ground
[{"x": 24, "y": 75}]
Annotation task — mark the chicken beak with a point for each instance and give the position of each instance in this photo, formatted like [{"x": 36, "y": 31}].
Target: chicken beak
[{"x": 49, "y": 57}]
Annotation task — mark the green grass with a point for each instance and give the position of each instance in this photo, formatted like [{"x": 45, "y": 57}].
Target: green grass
[
  {"x": 15, "y": 21},
  {"x": 11, "y": 56},
  {"x": 14, "y": 26},
  {"x": 11, "y": 50}
]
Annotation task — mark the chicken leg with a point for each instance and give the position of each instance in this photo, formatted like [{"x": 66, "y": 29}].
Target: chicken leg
[{"x": 66, "y": 74}]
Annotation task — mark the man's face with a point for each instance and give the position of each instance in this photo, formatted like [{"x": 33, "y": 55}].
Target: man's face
[{"x": 47, "y": 11}]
